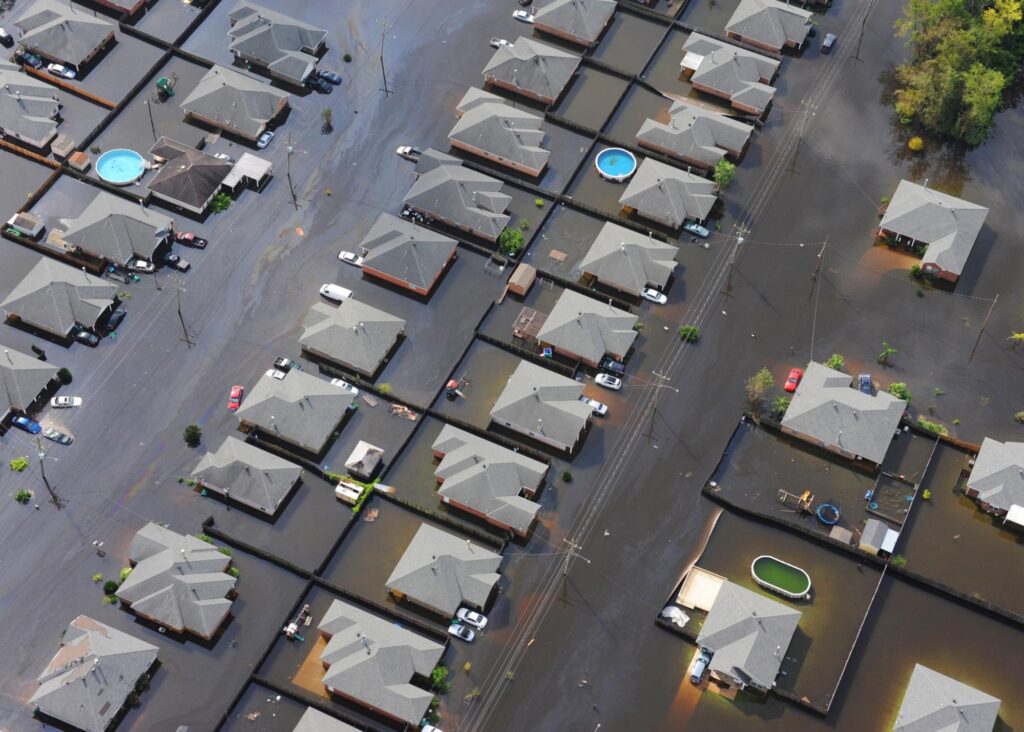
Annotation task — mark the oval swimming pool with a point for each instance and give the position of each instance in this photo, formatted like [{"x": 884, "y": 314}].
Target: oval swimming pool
[
  {"x": 781, "y": 577},
  {"x": 121, "y": 167},
  {"x": 615, "y": 164}
]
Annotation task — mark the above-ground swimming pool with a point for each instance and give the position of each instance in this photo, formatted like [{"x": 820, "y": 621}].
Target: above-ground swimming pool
[
  {"x": 615, "y": 164},
  {"x": 120, "y": 167},
  {"x": 781, "y": 577}
]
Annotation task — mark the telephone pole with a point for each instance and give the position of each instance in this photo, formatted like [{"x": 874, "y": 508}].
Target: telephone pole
[
  {"x": 817, "y": 267},
  {"x": 980, "y": 332},
  {"x": 54, "y": 498},
  {"x": 181, "y": 318},
  {"x": 288, "y": 172},
  {"x": 570, "y": 554},
  {"x": 384, "y": 28}
]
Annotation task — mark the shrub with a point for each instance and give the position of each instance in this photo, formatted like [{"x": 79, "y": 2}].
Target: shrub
[
  {"x": 567, "y": 477},
  {"x": 220, "y": 203},
  {"x": 898, "y": 560},
  {"x": 900, "y": 391},
  {"x": 885, "y": 357},
  {"x": 226, "y": 551},
  {"x": 23, "y": 497},
  {"x": 95, "y": 149},
  {"x": 19, "y": 464},
  {"x": 538, "y": 202},
  {"x": 97, "y": 578},
  {"x": 938, "y": 392},
  {"x": 756, "y": 386},
  {"x": 915, "y": 143},
  {"x": 936, "y": 427},
  {"x": 467, "y": 667},
  {"x": 204, "y": 537},
  {"x": 779, "y": 406},
  {"x": 510, "y": 242},
  {"x": 125, "y": 571},
  {"x": 64, "y": 375},
  {"x": 473, "y": 694},
  {"x": 110, "y": 599},
  {"x": 233, "y": 571},
  {"x": 110, "y": 587},
  {"x": 348, "y": 58},
  {"x": 836, "y": 361},
  {"x": 439, "y": 678},
  {"x": 385, "y": 388},
  {"x": 926, "y": 495},
  {"x": 956, "y": 422},
  {"x": 689, "y": 333},
  {"x": 1019, "y": 417},
  {"x": 193, "y": 434},
  {"x": 724, "y": 173},
  {"x": 524, "y": 224}
]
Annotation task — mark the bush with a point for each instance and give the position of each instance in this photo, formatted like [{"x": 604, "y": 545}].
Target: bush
[
  {"x": 900, "y": 391},
  {"x": 524, "y": 224},
  {"x": 95, "y": 149},
  {"x": 467, "y": 667},
  {"x": 23, "y": 497},
  {"x": 567, "y": 477},
  {"x": 110, "y": 587},
  {"x": 1019, "y": 417},
  {"x": 756, "y": 386},
  {"x": 226, "y": 551},
  {"x": 885, "y": 357},
  {"x": 936, "y": 427},
  {"x": 836, "y": 361},
  {"x": 233, "y": 571},
  {"x": 19, "y": 464},
  {"x": 125, "y": 571},
  {"x": 64, "y": 375},
  {"x": 510, "y": 242},
  {"x": 97, "y": 578},
  {"x": 439, "y": 679},
  {"x": 926, "y": 495},
  {"x": 724, "y": 173},
  {"x": 385, "y": 388},
  {"x": 689, "y": 333},
  {"x": 110, "y": 599},
  {"x": 538, "y": 202},
  {"x": 193, "y": 435},
  {"x": 779, "y": 406},
  {"x": 348, "y": 58},
  {"x": 204, "y": 537},
  {"x": 915, "y": 143},
  {"x": 898, "y": 560},
  {"x": 220, "y": 203}
]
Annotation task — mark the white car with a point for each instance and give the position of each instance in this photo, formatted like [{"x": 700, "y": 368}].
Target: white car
[
  {"x": 461, "y": 632},
  {"x": 335, "y": 292},
  {"x": 141, "y": 265},
  {"x": 224, "y": 156},
  {"x": 275, "y": 374},
  {"x": 499, "y": 42},
  {"x": 64, "y": 402},
  {"x": 469, "y": 617},
  {"x": 351, "y": 258},
  {"x": 265, "y": 139},
  {"x": 655, "y": 296},
  {"x": 61, "y": 70},
  {"x": 342, "y": 384},
  {"x": 408, "y": 152},
  {"x": 608, "y": 381},
  {"x": 600, "y": 409},
  {"x": 523, "y": 16}
]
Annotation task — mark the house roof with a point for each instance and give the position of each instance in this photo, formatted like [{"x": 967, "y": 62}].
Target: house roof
[
  {"x": 826, "y": 408},
  {"x": 748, "y": 633},
  {"x": 313, "y": 720},
  {"x": 532, "y": 66},
  {"x": 934, "y": 702},
  {"x": 116, "y": 229},
  {"x": 998, "y": 473},
  {"x": 442, "y": 571},
  {"x": 731, "y": 70},
  {"x": 234, "y": 100},
  {"x": 587, "y": 327},
  {"x": 248, "y": 166},
  {"x": 56, "y": 297},
  {"x": 29, "y": 108},
  {"x": 470, "y": 199},
  {"x": 374, "y": 660},
  {"x": 948, "y": 225},
  {"x": 410, "y": 253},
  {"x": 487, "y": 477},
  {"x": 178, "y": 581},
  {"x": 584, "y": 19},
  {"x": 542, "y": 401},
  {"x": 90, "y": 677},
  {"x": 299, "y": 408},
  {"x": 249, "y": 475},
  {"x": 770, "y": 22},
  {"x": 352, "y": 334},
  {"x": 874, "y": 532},
  {"x": 283, "y": 44},
  {"x": 666, "y": 193},
  {"x": 695, "y": 133},
  {"x": 489, "y": 124},
  {"x": 22, "y": 380},
  {"x": 189, "y": 176},
  {"x": 628, "y": 260},
  {"x": 60, "y": 30}
]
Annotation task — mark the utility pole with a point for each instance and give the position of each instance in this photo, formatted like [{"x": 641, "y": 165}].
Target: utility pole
[
  {"x": 54, "y": 498},
  {"x": 187, "y": 338},
  {"x": 817, "y": 267},
  {"x": 152, "y": 124},
  {"x": 570, "y": 553},
  {"x": 860, "y": 38},
  {"x": 732, "y": 263},
  {"x": 990, "y": 309},
  {"x": 384, "y": 28},
  {"x": 288, "y": 172}
]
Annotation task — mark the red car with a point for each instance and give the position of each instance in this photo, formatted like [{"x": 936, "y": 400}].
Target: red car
[
  {"x": 235, "y": 397},
  {"x": 794, "y": 378}
]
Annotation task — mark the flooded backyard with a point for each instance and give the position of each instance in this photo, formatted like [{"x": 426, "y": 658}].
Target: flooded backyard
[
  {"x": 629, "y": 41},
  {"x": 591, "y": 98}
]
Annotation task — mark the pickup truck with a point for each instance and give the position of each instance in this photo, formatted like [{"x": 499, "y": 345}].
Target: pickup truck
[{"x": 409, "y": 152}]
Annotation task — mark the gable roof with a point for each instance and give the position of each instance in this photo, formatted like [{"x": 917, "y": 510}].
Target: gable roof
[
  {"x": 489, "y": 124},
  {"x": 442, "y": 571},
  {"x": 234, "y": 100},
  {"x": 540, "y": 400},
  {"x": 60, "y": 30},
  {"x": 583, "y": 19},
  {"x": 532, "y": 66},
  {"x": 22, "y": 380},
  {"x": 247, "y": 474},
  {"x": 998, "y": 473},
  {"x": 284, "y": 45},
  {"x": 410, "y": 253},
  {"x": 313, "y": 720},
  {"x": 487, "y": 477},
  {"x": 189, "y": 176},
  {"x": 667, "y": 194},
  {"x": 588, "y": 328},
  {"x": 770, "y": 22},
  {"x": 117, "y": 230},
  {"x": 374, "y": 660},
  {"x": 827, "y": 409},
  {"x": 90, "y": 677},
  {"x": 352, "y": 334},
  {"x": 29, "y": 108},
  {"x": 748, "y": 633},
  {"x": 730, "y": 70},
  {"x": 934, "y": 702},
  {"x": 55, "y": 297},
  {"x": 178, "y": 581},
  {"x": 948, "y": 225},
  {"x": 628, "y": 260},
  {"x": 695, "y": 133},
  {"x": 470, "y": 199}
]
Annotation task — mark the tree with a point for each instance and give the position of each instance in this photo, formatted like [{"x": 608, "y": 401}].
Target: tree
[
  {"x": 64, "y": 375},
  {"x": 220, "y": 203},
  {"x": 724, "y": 173},
  {"x": 900, "y": 391},
  {"x": 328, "y": 120},
  {"x": 510, "y": 242},
  {"x": 439, "y": 679},
  {"x": 836, "y": 362},
  {"x": 19, "y": 464},
  {"x": 779, "y": 406},
  {"x": 885, "y": 357},
  {"x": 689, "y": 333},
  {"x": 193, "y": 434},
  {"x": 756, "y": 386}
]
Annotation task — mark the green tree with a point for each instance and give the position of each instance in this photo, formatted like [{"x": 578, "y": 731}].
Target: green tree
[
  {"x": 510, "y": 242},
  {"x": 689, "y": 333},
  {"x": 64, "y": 375},
  {"x": 900, "y": 391},
  {"x": 724, "y": 173},
  {"x": 886, "y": 356},
  {"x": 779, "y": 406},
  {"x": 836, "y": 361},
  {"x": 756, "y": 386},
  {"x": 439, "y": 678},
  {"x": 193, "y": 434},
  {"x": 19, "y": 464}
]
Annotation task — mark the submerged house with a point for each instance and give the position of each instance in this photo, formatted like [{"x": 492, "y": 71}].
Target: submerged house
[
  {"x": 695, "y": 135},
  {"x": 400, "y": 253},
  {"x": 544, "y": 406},
  {"x": 627, "y": 261},
  {"x": 740, "y": 76},
  {"x": 586, "y": 329},
  {"x": 253, "y": 477},
  {"x": 188, "y": 178},
  {"x": 769, "y": 24},
  {"x": 668, "y": 195},
  {"x": 234, "y": 102},
  {"x": 29, "y": 108},
  {"x": 25, "y": 383},
  {"x": 533, "y": 69},
  {"x": 499, "y": 132},
  {"x": 996, "y": 482},
  {"x": 285, "y": 47},
  {"x": 578, "y": 21},
  {"x": 63, "y": 33},
  {"x": 934, "y": 702},
  {"x": 57, "y": 299},
  {"x": 313, "y": 720},
  {"x": 351, "y": 335},
  {"x": 115, "y": 230}
]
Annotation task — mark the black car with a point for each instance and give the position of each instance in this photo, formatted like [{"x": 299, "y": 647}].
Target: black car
[
  {"x": 612, "y": 366},
  {"x": 29, "y": 59},
  {"x": 188, "y": 239},
  {"x": 317, "y": 84},
  {"x": 57, "y": 436},
  {"x": 175, "y": 261},
  {"x": 115, "y": 319},
  {"x": 286, "y": 364},
  {"x": 329, "y": 76},
  {"x": 89, "y": 338}
]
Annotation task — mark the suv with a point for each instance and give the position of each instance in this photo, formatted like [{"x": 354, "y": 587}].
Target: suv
[
  {"x": 29, "y": 59},
  {"x": 315, "y": 83},
  {"x": 610, "y": 364}
]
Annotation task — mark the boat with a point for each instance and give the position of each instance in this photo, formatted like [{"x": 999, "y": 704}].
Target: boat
[
  {"x": 828, "y": 514},
  {"x": 781, "y": 577}
]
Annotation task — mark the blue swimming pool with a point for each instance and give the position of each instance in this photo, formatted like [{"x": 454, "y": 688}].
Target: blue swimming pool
[
  {"x": 120, "y": 167},
  {"x": 615, "y": 164}
]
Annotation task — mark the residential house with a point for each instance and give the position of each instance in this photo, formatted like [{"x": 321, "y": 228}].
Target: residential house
[
  {"x": 499, "y": 132},
  {"x": 580, "y": 327},
  {"x": 996, "y": 481},
  {"x": 313, "y": 720},
  {"x": 544, "y": 406},
  {"x": 376, "y": 663},
  {"x": 187, "y": 179},
  {"x": 29, "y": 108},
  {"x": 533, "y": 69},
  {"x": 25, "y": 383},
  {"x": 248, "y": 475},
  {"x": 695, "y": 135},
  {"x": 627, "y": 261},
  {"x": 577, "y": 21},
  {"x": 57, "y": 299},
  {"x": 412, "y": 257},
  {"x": 748, "y": 635},
  {"x": 352, "y": 335},
  {"x": 441, "y": 572},
  {"x": 488, "y": 480},
  {"x": 61, "y": 32},
  {"x": 828, "y": 412},
  {"x": 934, "y": 702},
  {"x": 178, "y": 582},
  {"x": 114, "y": 230},
  {"x": 721, "y": 69},
  {"x": 88, "y": 681},
  {"x": 946, "y": 225},
  {"x": 769, "y": 24},
  {"x": 234, "y": 102},
  {"x": 285, "y": 47},
  {"x": 668, "y": 195}
]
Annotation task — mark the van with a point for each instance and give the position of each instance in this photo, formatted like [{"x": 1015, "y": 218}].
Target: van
[{"x": 337, "y": 293}]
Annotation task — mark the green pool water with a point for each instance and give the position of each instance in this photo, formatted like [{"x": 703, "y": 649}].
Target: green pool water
[{"x": 791, "y": 580}]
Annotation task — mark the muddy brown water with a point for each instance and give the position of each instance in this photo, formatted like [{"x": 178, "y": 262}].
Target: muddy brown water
[
  {"x": 629, "y": 42},
  {"x": 591, "y": 98}
]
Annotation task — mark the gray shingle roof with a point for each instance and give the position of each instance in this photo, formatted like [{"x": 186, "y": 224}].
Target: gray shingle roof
[
  {"x": 374, "y": 660},
  {"x": 998, "y": 473},
  {"x": 353, "y": 334},
  {"x": 472, "y": 200},
  {"x": 874, "y": 532},
  {"x": 934, "y": 702},
  {"x": 487, "y": 477},
  {"x": 305, "y": 409},
  {"x": 487, "y": 123},
  {"x": 748, "y": 633},
  {"x": 22, "y": 379},
  {"x": 627, "y": 260},
  {"x": 410, "y": 253},
  {"x": 234, "y": 100},
  {"x": 60, "y": 30},
  {"x": 535, "y": 67},
  {"x": 731, "y": 70},
  {"x": 544, "y": 402},
  {"x": 948, "y": 225},
  {"x": 695, "y": 133},
  {"x": 252, "y": 476},
  {"x": 441, "y": 571},
  {"x": 313, "y": 720},
  {"x": 583, "y": 19},
  {"x": 825, "y": 408},
  {"x": 29, "y": 108},
  {"x": 283, "y": 44},
  {"x": 189, "y": 177},
  {"x": 55, "y": 297},
  {"x": 770, "y": 22},
  {"x": 178, "y": 581},
  {"x": 117, "y": 230},
  {"x": 89, "y": 679},
  {"x": 669, "y": 195},
  {"x": 588, "y": 328}
]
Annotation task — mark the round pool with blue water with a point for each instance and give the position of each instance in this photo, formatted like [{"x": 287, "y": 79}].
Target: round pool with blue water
[
  {"x": 120, "y": 167},
  {"x": 615, "y": 164}
]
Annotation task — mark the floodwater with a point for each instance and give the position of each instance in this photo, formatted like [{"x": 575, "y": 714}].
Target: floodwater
[
  {"x": 593, "y": 190},
  {"x": 567, "y": 235},
  {"x": 487, "y": 369},
  {"x": 591, "y": 98},
  {"x": 709, "y": 15},
  {"x": 166, "y": 20},
  {"x": 639, "y": 105},
  {"x": 629, "y": 42},
  {"x": 261, "y": 709}
]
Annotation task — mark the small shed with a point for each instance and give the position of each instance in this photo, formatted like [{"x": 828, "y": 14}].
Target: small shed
[
  {"x": 62, "y": 146},
  {"x": 79, "y": 161},
  {"x": 522, "y": 279},
  {"x": 27, "y": 224},
  {"x": 878, "y": 538},
  {"x": 364, "y": 462},
  {"x": 1015, "y": 516}
]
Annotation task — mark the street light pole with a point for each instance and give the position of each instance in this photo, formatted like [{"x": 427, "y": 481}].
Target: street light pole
[
  {"x": 152, "y": 124},
  {"x": 54, "y": 498},
  {"x": 288, "y": 172}
]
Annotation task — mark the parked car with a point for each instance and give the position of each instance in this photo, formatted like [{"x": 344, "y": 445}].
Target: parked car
[
  {"x": 6, "y": 39},
  {"x": 29, "y": 59},
  {"x": 283, "y": 363},
  {"x": 408, "y": 152},
  {"x": 175, "y": 261},
  {"x": 351, "y": 258},
  {"x": 699, "y": 667},
  {"x": 523, "y": 16},
  {"x": 696, "y": 229},
  {"x": 30, "y": 426},
  {"x": 235, "y": 397},
  {"x": 461, "y": 632},
  {"x": 87, "y": 337},
  {"x": 315, "y": 83},
  {"x": 828, "y": 42},
  {"x": 265, "y": 139},
  {"x": 61, "y": 70},
  {"x": 335, "y": 292},
  {"x": 471, "y": 618},
  {"x": 499, "y": 42},
  {"x": 188, "y": 239},
  {"x": 57, "y": 436},
  {"x": 656, "y": 296},
  {"x": 608, "y": 381},
  {"x": 793, "y": 380},
  {"x": 115, "y": 319},
  {"x": 141, "y": 265},
  {"x": 610, "y": 364},
  {"x": 276, "y": 374},
  {"x": 342, "y": 384},
  {"x": 526, "y": 3},
  {"x": 865, "y": 385},
  {"x": 65, "y": 402},
  {"x": 224, "y": 156},
  {"x": 329, "y": 76},
  {"x": 599, "y": 408}
]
